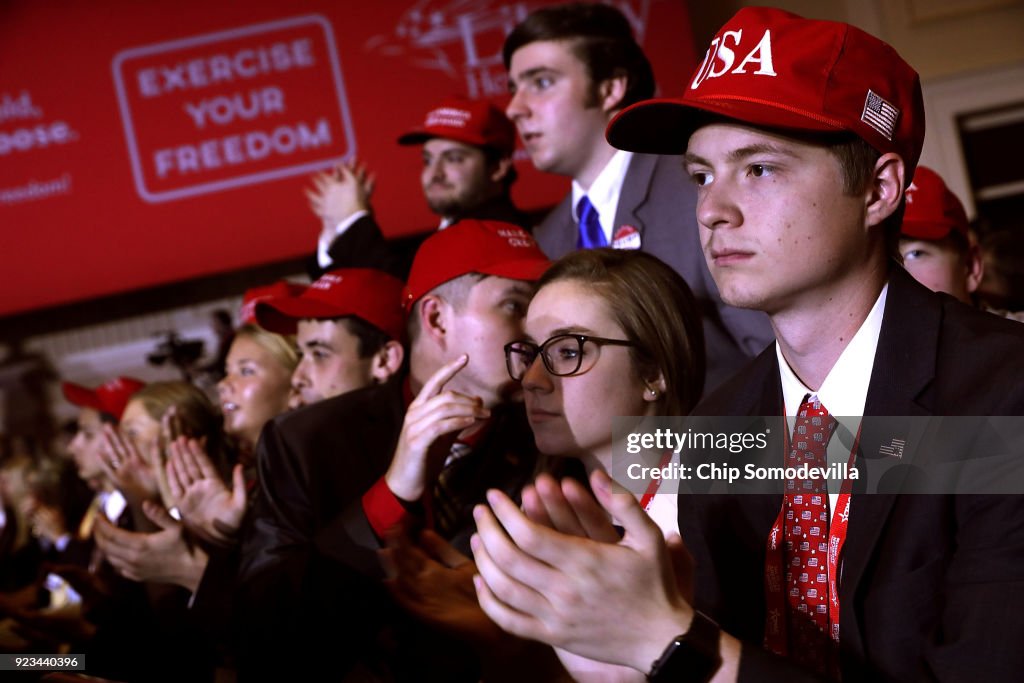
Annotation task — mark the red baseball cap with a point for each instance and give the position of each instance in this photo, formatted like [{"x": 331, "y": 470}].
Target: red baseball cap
[
  {"x": 370, "y": 294},
  {"x": 932, "y": 211},
  {"x": 110, "y": 397},
  {"x": 474, "y": 246},
  {"x": 775, "y": 69},
  {"x": 475, "y": 122},
  {"x": 282, "y": 289}
]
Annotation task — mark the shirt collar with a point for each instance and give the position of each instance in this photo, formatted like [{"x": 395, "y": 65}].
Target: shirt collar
[
  {"x": 605, "y": 190},
  {"x": 114, "y": 504},
  {"x": 845, "y": 389}
]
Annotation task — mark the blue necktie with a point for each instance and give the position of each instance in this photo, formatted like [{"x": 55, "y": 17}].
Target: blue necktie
[{"x": 591, "y": 234}]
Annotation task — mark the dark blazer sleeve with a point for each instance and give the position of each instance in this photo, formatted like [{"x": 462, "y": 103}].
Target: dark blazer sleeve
[
  {"x": 349, "y": 538},
  {"x": 293, "y": 598},
  {"x": 364, "y": 245},
  {"x": 556, "y": 234}
]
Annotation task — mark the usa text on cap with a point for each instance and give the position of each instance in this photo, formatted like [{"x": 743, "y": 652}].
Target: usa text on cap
[
  {"x": 474, "y": 246},
  {"x": 474, "y": 122},
  {"x": 372, "y": 295},
  {"x": 110, "y": 397},
  {"x": 774, "y": 69}
]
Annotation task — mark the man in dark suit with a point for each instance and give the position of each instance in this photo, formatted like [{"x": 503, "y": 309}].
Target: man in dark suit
[
  {"x": 802, "y": 137},
  {"x": 467, "y": 173},
  {"x": 571, "y": 69},
  {"x": 334, "y": 476}
]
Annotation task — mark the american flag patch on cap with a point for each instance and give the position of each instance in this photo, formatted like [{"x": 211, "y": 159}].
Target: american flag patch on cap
[{"x": 880, "y": 115}]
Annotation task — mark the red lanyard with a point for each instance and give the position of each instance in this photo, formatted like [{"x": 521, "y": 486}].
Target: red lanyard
[
  {"x": 775, "y": 638},
  {"x": 652, "y": 488}
]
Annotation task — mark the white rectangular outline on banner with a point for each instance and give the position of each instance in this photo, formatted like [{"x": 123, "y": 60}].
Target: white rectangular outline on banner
[{"x": 238, "y": 181}]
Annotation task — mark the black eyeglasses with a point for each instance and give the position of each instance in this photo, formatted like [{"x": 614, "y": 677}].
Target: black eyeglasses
[{"x": 563, "y": 355}]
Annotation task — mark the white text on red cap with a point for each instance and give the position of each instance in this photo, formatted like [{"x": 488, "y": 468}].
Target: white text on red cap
[
  {"x": 327, "y": 281},
  {"x": 516, "y": 238},
  {"x": 761, "y": 55},
  {"x": 448, "y": 117}
]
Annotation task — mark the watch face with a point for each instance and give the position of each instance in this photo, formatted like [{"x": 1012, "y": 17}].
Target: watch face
[{"x": 692, "y": 657}]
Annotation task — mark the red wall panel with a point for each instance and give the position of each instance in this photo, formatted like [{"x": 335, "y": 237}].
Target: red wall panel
[{"x": 148, "y": 143}]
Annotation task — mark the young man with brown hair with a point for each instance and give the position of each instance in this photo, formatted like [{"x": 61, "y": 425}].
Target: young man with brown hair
[{"x": 571, "y": 69}]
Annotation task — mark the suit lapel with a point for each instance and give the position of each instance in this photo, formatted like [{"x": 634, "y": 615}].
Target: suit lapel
[
  {"x": 557, "y": 233},
  {"x": 635, "y": 188},
  {"x": 904, "y": 367},
  {"x": 761, "y": 510}
]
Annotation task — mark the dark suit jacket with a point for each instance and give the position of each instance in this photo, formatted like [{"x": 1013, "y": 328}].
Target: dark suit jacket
[
  {"x": 292, "y": 598},
  {"x": 309, "y": 571},
  {"x": 363, "y": 245},
  {"x": 659, "y": 201},
  {"x": 932, "y": 585}
]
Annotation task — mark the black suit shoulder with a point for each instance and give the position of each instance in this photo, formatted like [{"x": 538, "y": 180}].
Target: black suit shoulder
[
  {"x": 364, "y": 245},
  {"x": 313, "y": 463},
  {"x": 314, "y": 459}
]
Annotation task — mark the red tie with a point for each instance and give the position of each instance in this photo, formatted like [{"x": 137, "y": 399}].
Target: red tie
[{"x": 806, "y": 540}]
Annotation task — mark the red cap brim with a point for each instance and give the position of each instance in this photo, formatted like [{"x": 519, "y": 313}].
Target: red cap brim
[
  {"x": 925, "y": 230},
  {"x": 664, "y": 126},
  {"x": 526, "y": 269},
  {"x": 283, "y": 315},
  {"x": 80, "y": 396},
  {"x": 416, "y": 137}
]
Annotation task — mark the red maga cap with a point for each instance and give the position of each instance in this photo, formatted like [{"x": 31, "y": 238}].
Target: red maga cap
[
  {"x": 475, "y": 122},
  {"x": 932, "y": 210},
  {"x": 110, "y": 397},
  {"x": 474, "y": 246},
  {"x": 774, "y": 69},
  {"x": 282, "y": 289},
  {"x": 372, "y": 295}
]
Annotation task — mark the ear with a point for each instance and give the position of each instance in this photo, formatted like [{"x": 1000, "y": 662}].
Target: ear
[
  {"x": 654, "y": 388},
  {"x": 501, "y": 169},
  {"x": 886, "y": 191},
  {"x": 433, "y": 313},
  {"x": 387, "y": 361},
  {"x": 610, "y": 93},
  {"x": 975, "y": 266}
]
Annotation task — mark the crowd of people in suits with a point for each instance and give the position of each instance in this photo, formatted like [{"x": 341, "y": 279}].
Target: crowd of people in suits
[{"x": 410, "y": 473}]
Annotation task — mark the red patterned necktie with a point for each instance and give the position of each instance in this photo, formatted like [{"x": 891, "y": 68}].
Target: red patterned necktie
[{"x": 806, "y": 540}]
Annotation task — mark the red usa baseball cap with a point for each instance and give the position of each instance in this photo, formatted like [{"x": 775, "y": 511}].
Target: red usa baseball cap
[
  {"x": 475, "y": 122},
  {"x": 110, "y": 397},
  {"x": 474, "y": 246},
  {"x": 932, "y": 211},
  {"x": 372, "y": 295},
  {"x": 282, "y": 289},
  {"x": 775, "y": 69}
]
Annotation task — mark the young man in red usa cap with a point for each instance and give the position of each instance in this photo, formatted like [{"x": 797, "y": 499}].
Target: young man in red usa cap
[
  {"x": 348, "y": 326},
  {"x": 334, "y": 477},
  {"x": 801, "y": 137},
  {"x": 467, "y": 172}
]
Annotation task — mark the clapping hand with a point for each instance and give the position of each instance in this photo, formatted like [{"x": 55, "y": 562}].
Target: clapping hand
[{"x": 207, "y": 506}]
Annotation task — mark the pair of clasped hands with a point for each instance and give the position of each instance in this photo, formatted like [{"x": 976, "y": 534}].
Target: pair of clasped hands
[{"x": 556, "y": 570}]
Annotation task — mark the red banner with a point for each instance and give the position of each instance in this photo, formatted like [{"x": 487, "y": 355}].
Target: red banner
[{"x": 148, "y": 143}]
